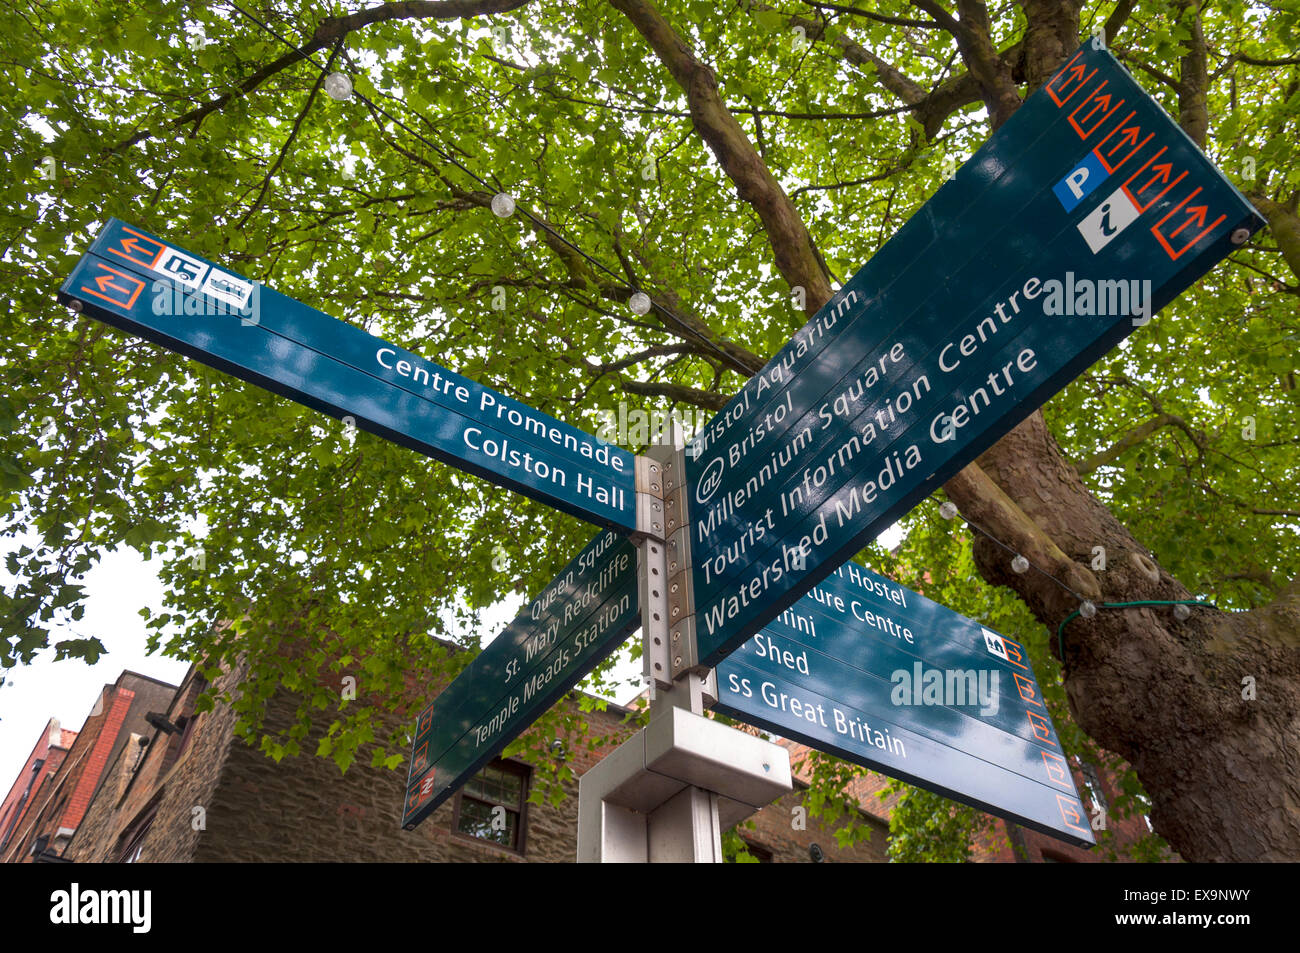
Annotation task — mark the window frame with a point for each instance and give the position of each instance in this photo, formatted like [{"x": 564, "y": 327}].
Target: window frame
[
  {"x": 521, "y": 770},
  {"x": 132, "y": 839}
]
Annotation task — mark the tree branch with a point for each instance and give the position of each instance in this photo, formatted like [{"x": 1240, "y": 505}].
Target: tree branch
[
  {"x": 331, "y": 30},
  {"x": 1133, "y": 438},
  {"x": 792, "y": 245},
  {"x": 288, "y": 142},
  {"x": 985, "y": 501},
  {"x": 1257, "y": 61},
  {"x": 878, "y": 17},
  {"x": 974, "y": 36},
  {"x": 679, "y": 393},
  {"x": 1194, "y": 79},
  {"x": 1285, "y": 226},
  {"x": 1118, "y": 17}
]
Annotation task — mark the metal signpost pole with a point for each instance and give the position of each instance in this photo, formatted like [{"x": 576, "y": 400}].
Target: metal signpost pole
[
  {"x": 667, "y": 794},
  {"x": 686, "y": 827}
]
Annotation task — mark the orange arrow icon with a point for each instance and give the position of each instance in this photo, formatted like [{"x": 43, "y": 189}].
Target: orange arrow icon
[
  {"x": 1161, "y": 173},
  {"x": 1196, "y": 214},
  {"x": 131, "y": 244},
  {"x": 1101, "y": 103},
  {"x": 1162, "y": 170},
  {"x": 126, "y": 294},
  {"x": 1129, "y": 137},
  {"x": 1126, "y": 137},
  {"x": 1073, "y": 76}
]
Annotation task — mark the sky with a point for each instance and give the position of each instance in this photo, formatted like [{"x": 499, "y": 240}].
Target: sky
[{"x": 117, "y": 588}]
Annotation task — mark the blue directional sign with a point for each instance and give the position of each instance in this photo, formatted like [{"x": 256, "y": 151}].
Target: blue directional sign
[
  {"x": 580, "y": 618},
  {"x": 135, "y": 281},
  {"x": 869, "y": 671},
  {"x": 1077, "y": 221}
]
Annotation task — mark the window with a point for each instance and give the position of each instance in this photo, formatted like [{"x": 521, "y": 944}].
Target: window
[
  {"x": 1052, "y": 857},
  {"x": 132, "y": 839},
  {"x": 491, "y": 805}
]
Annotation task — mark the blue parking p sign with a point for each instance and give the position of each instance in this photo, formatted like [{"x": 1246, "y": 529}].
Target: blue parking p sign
[{"x": 1081, "y": 181}]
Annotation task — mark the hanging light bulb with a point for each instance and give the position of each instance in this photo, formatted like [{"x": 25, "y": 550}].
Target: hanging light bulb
[
  {"x": 1182, "y": 613},
  {"x": 503, "y": 205},
  {"x": 1019, "y": 564},
  {"x": 338, "y": 87},
  {"x": 948, "y": 510},
  {"x": 1087, "y": 609},
  {"x": 639, "y": 303}
]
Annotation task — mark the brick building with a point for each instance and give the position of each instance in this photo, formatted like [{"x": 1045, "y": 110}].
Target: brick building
[
  {"x": 59, "y": 797},
  {"x": 33, "y": 780},
  {"x": 200, "y": 794},
  {"x": 181, "y": 787}
]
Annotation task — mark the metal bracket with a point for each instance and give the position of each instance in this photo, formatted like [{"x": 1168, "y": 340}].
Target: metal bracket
[
  {"x": 680, "y": 597},
  {"x": 684, "y": 648},
  {"x": 650, "y": 521},
  {"x": 652, "y": 588},
  {"x": 679, "y": 550},
  {"x": 670, "y": 479},
  {"x": 668, "y": 792}
]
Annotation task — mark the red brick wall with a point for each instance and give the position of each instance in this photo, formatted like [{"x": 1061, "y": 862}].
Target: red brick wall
[
  {"x": 14, "y": 811},
  {"x": 97, "y": 760}
]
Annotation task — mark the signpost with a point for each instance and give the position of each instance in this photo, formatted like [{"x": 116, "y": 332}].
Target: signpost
[
  {"x": 139, "y": 283},
  {"x": 582, "y": 616},
  {"x": 1086, "y": 213},
  {"x": 1083, "y": 216},
  {"x": 869, "y": 671}
]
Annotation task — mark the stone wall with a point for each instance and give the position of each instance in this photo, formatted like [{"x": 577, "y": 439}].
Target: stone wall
[
  {"x": 790, "y": 834},
  {"x": 303, "y": 809},
  {"x": 177, "y": 774}
]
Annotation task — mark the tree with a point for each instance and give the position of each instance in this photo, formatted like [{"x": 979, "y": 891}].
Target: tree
[{"x": 736, "y": 164}]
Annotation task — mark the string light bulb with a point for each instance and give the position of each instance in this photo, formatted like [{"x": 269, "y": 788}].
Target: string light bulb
[
  {"x": 338, "y": 87},
  {"x": 503, "y": 205}
]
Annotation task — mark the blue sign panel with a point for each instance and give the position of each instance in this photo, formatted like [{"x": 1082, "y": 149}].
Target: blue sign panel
[
  {"x": 869, "y": 671},
  {"x": 138, "y": 282},
  {"x": 985, "y": 304},
  {"x": 579, "y": 619}
]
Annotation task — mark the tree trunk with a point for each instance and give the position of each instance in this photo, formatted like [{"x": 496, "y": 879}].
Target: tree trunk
[{"x": 1219, "y": 760}]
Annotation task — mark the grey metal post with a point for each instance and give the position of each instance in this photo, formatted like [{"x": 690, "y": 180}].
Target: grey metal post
[
  {"x": 667, "y": 793},
  {"x": 686, "y": 827}
]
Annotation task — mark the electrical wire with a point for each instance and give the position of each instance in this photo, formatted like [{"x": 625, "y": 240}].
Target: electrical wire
[
  {"x": 1060, "y": 631},
  {"x": 1083, "y": 600}
]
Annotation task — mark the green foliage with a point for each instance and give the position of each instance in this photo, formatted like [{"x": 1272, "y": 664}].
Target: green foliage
[
  {"x": 927, "y": 827},
  {"x": 320, "y": 547},
  {"x": 734, "y": 848}
]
